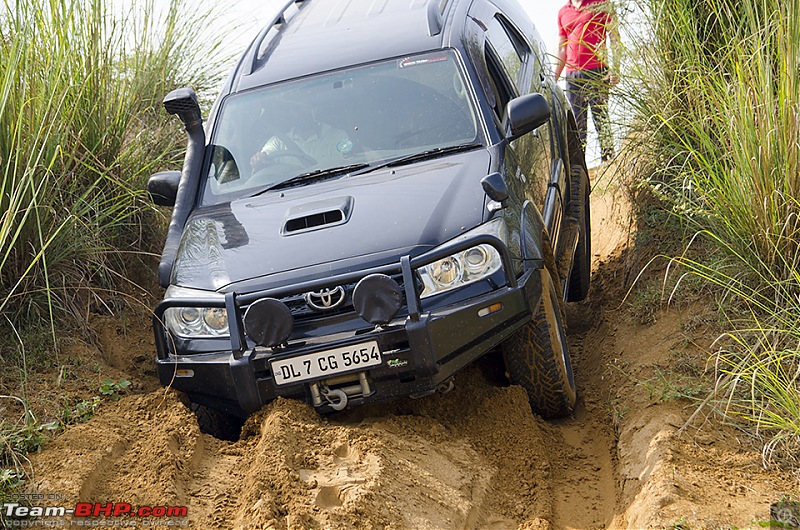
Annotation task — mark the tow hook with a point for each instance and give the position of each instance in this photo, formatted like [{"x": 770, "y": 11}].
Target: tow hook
[
  {"x": 446, "y": 386},
  {"x": 443, "y": 388},
  {"x": 336, "y": 398}
]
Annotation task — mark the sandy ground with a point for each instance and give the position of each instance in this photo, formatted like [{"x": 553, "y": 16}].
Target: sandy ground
[{"x": 476, "y": 458}]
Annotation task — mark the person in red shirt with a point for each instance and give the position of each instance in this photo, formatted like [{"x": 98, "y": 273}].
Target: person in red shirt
[{"x": 583, "y": 28}]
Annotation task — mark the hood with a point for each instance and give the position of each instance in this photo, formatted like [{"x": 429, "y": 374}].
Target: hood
[{"x": 333, "y": 226}]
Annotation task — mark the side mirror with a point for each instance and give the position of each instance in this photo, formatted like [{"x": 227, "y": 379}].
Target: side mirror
[
  {"x": 163, "y": 187},
  {"x": 524, "y": 114},
  {"x": 495, "y": 187}
]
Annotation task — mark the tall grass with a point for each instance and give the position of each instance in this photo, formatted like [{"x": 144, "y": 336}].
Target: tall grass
[
  {"x": 80, "y": 129},
  {"x": 717, "y": 95},
  {"x": 720, "y": 100}
]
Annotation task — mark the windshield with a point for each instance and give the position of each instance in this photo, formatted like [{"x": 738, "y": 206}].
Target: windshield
[{"x": 363, "y": 115}]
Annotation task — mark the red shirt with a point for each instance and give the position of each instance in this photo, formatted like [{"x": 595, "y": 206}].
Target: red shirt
[{"x": 585, "y": 32}]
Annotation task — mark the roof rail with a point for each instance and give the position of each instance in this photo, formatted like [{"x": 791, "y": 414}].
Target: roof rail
[
  {"x": 436, "y": 9},
  {"x": 282, "y": 17}
]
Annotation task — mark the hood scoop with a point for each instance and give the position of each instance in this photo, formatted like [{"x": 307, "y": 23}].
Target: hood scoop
[{"x": 317, "y": 215}]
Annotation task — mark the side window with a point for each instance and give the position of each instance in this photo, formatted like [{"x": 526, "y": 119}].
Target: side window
[
  {"x": 501, "y": 85},
  {"x": 510, "y": 47}
]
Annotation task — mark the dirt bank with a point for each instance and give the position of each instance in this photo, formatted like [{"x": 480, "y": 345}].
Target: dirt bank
[{"x": 474, "y": 458}]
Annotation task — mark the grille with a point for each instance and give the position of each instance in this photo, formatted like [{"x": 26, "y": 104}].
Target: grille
[{"x": 301, "y": 311}]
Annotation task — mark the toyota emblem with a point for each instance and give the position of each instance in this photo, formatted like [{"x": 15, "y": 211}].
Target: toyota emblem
[{"x": 325, "y": 298}]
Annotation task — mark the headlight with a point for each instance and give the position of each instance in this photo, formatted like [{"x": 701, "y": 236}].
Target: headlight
[
  {"x": 447, "y": 272},
  {"x": 460, "y": 269},
  {"x": 197, "y": 322}
]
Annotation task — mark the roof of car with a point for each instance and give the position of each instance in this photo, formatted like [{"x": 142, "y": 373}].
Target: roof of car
[{"x": 311, "y": 36}]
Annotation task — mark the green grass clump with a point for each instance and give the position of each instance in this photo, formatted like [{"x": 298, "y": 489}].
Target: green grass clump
[
  {"x": 758, "y": 360},
  {"x": 716, "y": 95}
]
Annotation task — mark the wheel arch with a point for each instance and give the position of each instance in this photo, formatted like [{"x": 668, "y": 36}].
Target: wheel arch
[{"x": 533, "y": 228}]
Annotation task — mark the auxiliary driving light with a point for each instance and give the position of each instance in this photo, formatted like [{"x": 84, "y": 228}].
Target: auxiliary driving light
[
  {"x": 268, "y": 322},
  {"x": 377, "y": 299}
]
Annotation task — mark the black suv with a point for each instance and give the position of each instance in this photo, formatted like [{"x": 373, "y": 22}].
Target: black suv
[{"x": 383, "y": 193}]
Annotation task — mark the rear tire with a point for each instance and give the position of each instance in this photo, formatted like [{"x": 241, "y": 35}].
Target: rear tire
[
  {"x": 537, "y": 357},
  {"x": 217, "y": 423},
  {"x": 581, "y": 272}
]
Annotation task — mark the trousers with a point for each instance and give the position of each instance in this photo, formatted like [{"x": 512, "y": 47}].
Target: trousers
[{"x": 588, "y": 89}]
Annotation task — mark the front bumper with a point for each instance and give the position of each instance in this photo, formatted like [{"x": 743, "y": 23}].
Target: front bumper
[{"x": 419, "y": 351}]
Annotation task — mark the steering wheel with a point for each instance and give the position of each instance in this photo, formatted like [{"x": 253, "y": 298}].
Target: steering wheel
[
  {"x": 307, "y": 160},
  {"x": 269, "y": 161},
  {"x": 406, "y": 139},
  {"x": 292, "y": 151}
]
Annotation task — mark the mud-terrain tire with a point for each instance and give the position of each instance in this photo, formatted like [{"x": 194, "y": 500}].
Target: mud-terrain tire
[
  {"x": 218, "y": 424},
  {"x": 537, "y": 357},
  {"x": 581, "y": 272}
]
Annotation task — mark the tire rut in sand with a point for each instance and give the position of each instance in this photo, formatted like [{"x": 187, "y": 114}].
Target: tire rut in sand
[
  {"x": 211, "y": 483},
  {"x": 582, "y": 447},
  {"x": 585, "y": 450}
]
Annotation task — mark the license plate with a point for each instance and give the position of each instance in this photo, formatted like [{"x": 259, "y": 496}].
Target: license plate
[{"x": 325, "y": 363}]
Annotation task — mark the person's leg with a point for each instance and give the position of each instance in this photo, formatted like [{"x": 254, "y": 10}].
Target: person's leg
[
  {"x": 597, "y": 100},
  {"x": 576, "y": 94}
]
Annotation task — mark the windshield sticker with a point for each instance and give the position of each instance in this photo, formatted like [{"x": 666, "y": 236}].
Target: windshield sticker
[
  {"x": 416, "y": 61},
  {"x": 345, "y": 146}
]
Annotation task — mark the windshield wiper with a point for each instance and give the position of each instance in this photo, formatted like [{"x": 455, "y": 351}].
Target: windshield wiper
[
  {"x": 311, "y": 176},
  {"x": 422, "y": 155},
  {"x": 360, "y": 169}
]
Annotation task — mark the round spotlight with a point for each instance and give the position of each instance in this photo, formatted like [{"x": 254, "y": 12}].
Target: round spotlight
[
  {"x": 377, "y": 299},
  {"x": 268, "y": 322}
]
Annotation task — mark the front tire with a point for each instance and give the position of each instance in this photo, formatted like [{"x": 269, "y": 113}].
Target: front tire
[
  {"x": 537, "y": 357},
  {"x": 218, "y": 424}
]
